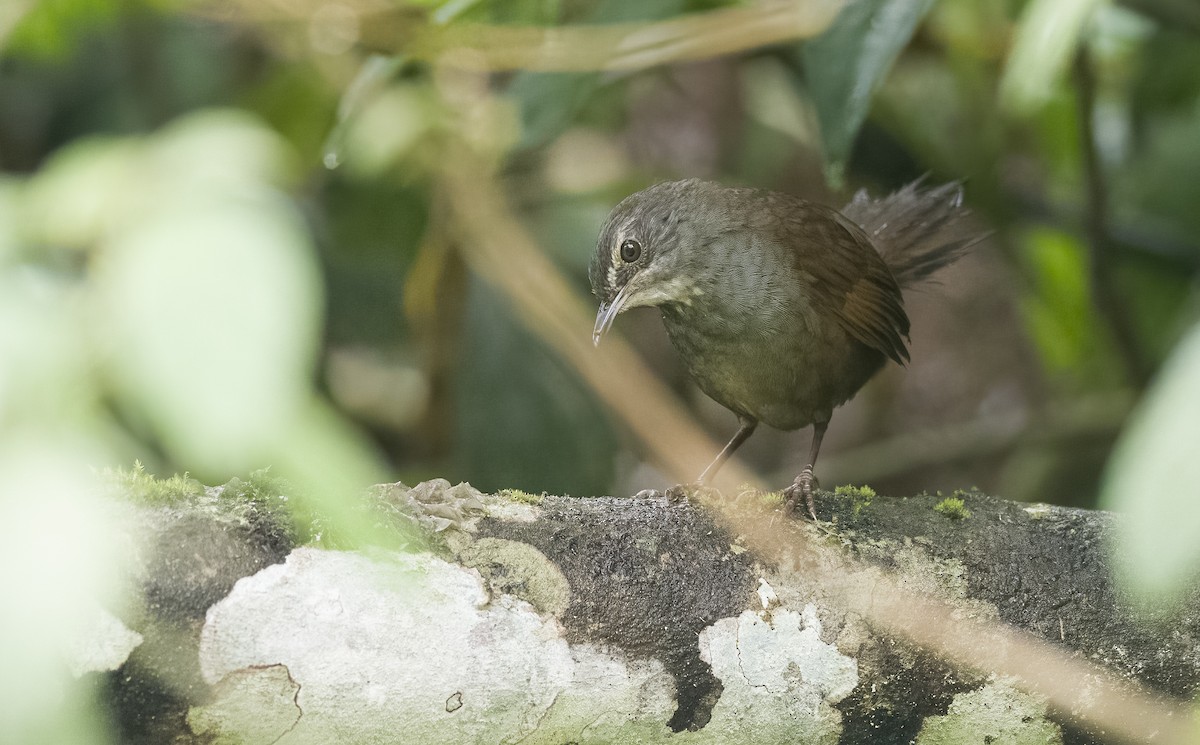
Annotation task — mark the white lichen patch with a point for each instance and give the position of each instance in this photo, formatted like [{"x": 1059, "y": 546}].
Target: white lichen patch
[
  {"x": 1037, "y": 511},
  {"x": 780, "y": 680},
  {"x": 378, "y": 647},
  {"x": 611, "y": 699},
  {"x": 342, "y": 647},
  {"x": 998, "y": 713},
  {"x": 766, "y": 594},
  {"x": 510, "y": 511},
  {"x": 410, "y": 648},
  {"x": 102, "y": 644},
  {"x": 260, "y": 703}
]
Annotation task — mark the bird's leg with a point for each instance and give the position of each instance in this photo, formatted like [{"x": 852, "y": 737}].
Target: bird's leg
[
  {"x": 745, "y": 429},
  {"x": 806, "y": 482}
]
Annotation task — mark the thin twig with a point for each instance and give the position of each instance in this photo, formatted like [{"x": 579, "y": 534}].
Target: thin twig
[{"x": 389, "y": 30}]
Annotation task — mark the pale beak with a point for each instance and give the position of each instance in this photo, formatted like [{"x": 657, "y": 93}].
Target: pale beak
[{"x": 607, "y": 314}]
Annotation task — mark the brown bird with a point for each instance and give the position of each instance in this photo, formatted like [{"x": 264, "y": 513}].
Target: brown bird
[{"x": 781, "y": 308}]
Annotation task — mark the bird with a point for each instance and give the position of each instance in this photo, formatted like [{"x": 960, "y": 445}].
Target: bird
[{"x": 780, "y": 308}]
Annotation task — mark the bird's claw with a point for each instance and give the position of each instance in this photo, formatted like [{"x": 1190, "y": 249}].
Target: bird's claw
[{"x": 804, "y": 486}]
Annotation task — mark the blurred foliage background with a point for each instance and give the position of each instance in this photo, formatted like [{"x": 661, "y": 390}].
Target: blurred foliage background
[
  {"x": 1078, "y": 157},
  {"x": 227, "y": 241}
]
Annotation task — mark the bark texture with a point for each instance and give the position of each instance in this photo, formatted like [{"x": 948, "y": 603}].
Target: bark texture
[{"x": 599, "y": 620}]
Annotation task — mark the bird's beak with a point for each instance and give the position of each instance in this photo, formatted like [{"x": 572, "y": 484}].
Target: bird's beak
[{"x": 607, "y": 314}]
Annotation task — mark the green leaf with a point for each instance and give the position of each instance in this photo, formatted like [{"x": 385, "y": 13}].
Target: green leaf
[
  {"x": 1059, "y": 312},
  {"x": 53, "y": 603},
  {"x": 846, "y": 65},
  {"x": 525, "y": 421},
  {"x": 1045, "y": 40},
  {"x": 370, "y": 82},
  {"x": 208, "y": 284},
  {"x": 1154, "y": 479},
  {"x": 550, "y": 101},
  {"x": 10, "y": 193},
  {"x": 214, "y": 311},
  {"x": 49, "y": 27}
]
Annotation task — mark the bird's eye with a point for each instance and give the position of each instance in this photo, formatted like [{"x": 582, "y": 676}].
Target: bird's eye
[{"x": 630, "y": 250}]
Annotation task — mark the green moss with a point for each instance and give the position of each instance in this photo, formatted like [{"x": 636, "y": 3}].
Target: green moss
[
  {"x": 855, "y": 492},
  {"x": 268, "y": 505},
  {"x": 140, "y": 487},
  {"x": 952, "y": 507},
  {"x": 260, "y": 500},
  {"x": 860, "y": 496},
  {"x": 517, "y": 495},
  {"x": 771, "y": 498},
  {"x": 259, "y": 488}
]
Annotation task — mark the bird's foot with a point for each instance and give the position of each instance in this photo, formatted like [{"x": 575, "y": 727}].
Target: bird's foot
[{"x": 804, "y": 486}]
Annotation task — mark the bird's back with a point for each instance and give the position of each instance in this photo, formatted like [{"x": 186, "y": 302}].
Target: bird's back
[{"x": 796, "y": 310}]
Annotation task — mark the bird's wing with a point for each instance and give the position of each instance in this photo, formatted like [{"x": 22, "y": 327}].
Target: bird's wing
[{"x": 848, "y": 274}]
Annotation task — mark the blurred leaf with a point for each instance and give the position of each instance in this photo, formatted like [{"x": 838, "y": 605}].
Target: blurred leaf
[
  {"x": 1167, "y": 74},
  {"x": 214, "y": 314},
  {"x": 1045, "y": 43},
  {"x": 846, "y": 65},
  {"x": 772, "y": 99},
  {"x": 522, "y": 12},
  {"x": 44, "y": 355},
  {"x": 49, "y": 27},
  {"x": 1060, "y": 314},
  {"x": 299, "y": 104},
  {"x": 549, "y": 102},
  {"x": 1157, "y": 292},
  {"x": 954, "y": 98},
  {"x": 1059, "y": 148},
  {"x": 370, "y": 240},
  {"x": 567, "y": 228},
  {"x": 10, "y": 194},
  {"x": 524, "y": 421},
  {"x": 206, "y": 281},
  {"x": 370, "y": 82},
  {"x": 334, "y": 463},
  {"x": 448, "y": 10},
  {"x": 204, "y": 301},
  {"x": 52, "y": 589},
  {"x": 82, "y": 194},
  {"x": 1160, "y": 184},
  {"x": 1154, "y": 479},
  {"x": 389, "y": 126}
]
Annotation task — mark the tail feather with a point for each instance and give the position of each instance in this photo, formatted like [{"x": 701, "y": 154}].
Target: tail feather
[{"x": 916, "y": 231}]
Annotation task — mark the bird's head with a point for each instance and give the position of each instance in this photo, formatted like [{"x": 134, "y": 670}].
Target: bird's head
[{"x": 645, "y": 245}]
